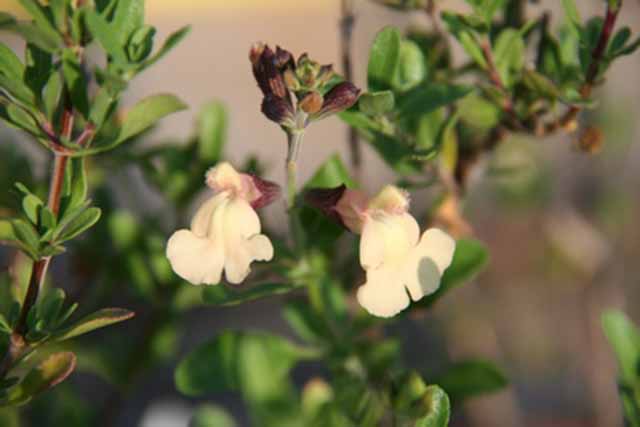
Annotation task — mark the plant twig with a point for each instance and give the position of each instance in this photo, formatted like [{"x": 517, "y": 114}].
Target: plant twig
[
  {"x": 17, "y": 343},
  {"x": 496, "y": 80},
  {"x": 347, "y": 22},
  {"x": 593, "y": 70}
]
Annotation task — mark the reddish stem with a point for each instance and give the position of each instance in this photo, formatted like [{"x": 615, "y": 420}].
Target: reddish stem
[{"x": 39, "y": 268}]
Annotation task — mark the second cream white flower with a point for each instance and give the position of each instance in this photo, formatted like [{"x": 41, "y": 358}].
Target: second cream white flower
[{"x": 400, "y": 263}]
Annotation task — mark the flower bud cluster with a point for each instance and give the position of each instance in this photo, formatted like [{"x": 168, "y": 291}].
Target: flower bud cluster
[{"x": 298, "y": 92}]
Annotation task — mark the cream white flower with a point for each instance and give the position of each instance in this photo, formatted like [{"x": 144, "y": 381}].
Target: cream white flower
[
  {"x": 400, "y": 264},
  {"x": 225, "y": 231}
]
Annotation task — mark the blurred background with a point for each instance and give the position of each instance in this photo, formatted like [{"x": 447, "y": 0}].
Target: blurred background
[{"x": 562, "y": 226}]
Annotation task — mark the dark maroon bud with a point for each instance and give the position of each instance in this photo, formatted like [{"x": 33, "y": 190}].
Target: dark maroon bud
[
  {"x": 277, "y": 109},
  {"x": 268, "y": 192},
  {"x": 341, "y": 97},
  {"x": 266, "y": 73},
  {"x": 326, "y": 200},
  {"x": 284, "y": 59},
  {"x": 255, "y": 52}
]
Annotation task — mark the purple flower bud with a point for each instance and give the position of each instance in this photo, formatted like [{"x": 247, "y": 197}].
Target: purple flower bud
[
  {"x": 268, "y": 192},
  {"x": 284, "y": 59},
  {"x": 277, "y": 110},
  {"x": 265, "y": 71},
  {"x": 341, "y": 97}
]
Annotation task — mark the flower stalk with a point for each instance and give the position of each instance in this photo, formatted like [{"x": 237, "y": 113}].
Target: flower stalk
[{"x": 294, "y": 142}]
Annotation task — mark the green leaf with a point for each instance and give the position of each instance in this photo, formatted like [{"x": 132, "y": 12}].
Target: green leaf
[
  {"x": 411, "y": 69},
  {"x": 252, "y": 362},
  {"x": 572, "y": 14},
  {"x": 75, "y": 81},
  {"x": 50, "y": 305},
  {"x": 383, "y": 59},
  {"x": 31, "y": 206},
  {"x": 619, "y": 40},
  {"x": 46, "y": 220},
  {"x": 74, "y": 193},
  {"x": 304, "y": 322},
  {"x": 540, "y": 84},
  {"x": 411, "y": 387},
  {"x": 625, "y": 340},
  {"x": 469, "y": 259},
  {"x": 105, "y": 34},
  {"x": 212, "y": 132},
  {"x": 39, "y": 65},
  {"x": 6, "y": 230},
  {"x": 51, "y": 95},
  {"x": 41, "y": 20},
  {"x": 128, "y": 16},
  {"x": 18, "y": 90},
  {"x": 146, "y": 113},
  {"x": 447, "y": 143},
  {"x": 97, "y": 320},
  {"x": 424, "y": 100},
  {"x": 31, "y": 33},
  {"x": 376, "y": 103},
  {"x": 67, "y": 230},
  {"x": 466, "y": 35},
  {"x": 396, "y": 153},
  {"x": 169, "y": 44},
  {"x": 10, "y": 64},
  {"x": 59, "y": 11},
  {"x": 359, "y": 120},
  {"x": 471, "y": 378},
  {"x": 630, "y": 48},
  {"x": 211, "y": 416},
  {"x": 141, "y": 43},
  {"x": 509, "y": 55},
  {"x": 436, "y": 407},
  {"x": 428, "y": 128},
  {"x": 79, "y": 185},
  {"x": 332, "y": 173},
  {"x": 102, "y": 107},
  {"x": 488, "y": 8},
  {"x": 49, "y": 373},
  {"x": 27, "y": 235},
  {"x": 23, "y": 120},
  {"x": 223, "y": 296}
]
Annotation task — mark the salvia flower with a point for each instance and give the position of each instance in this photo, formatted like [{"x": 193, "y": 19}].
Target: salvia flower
[
  {"x": 225, "y": 231},
  {"x": 316, "y": 89},
  {"x": 400, "y": 264}
]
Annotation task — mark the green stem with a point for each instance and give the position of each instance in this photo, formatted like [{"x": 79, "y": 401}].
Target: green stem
[{"x": 294, "y": 140}]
